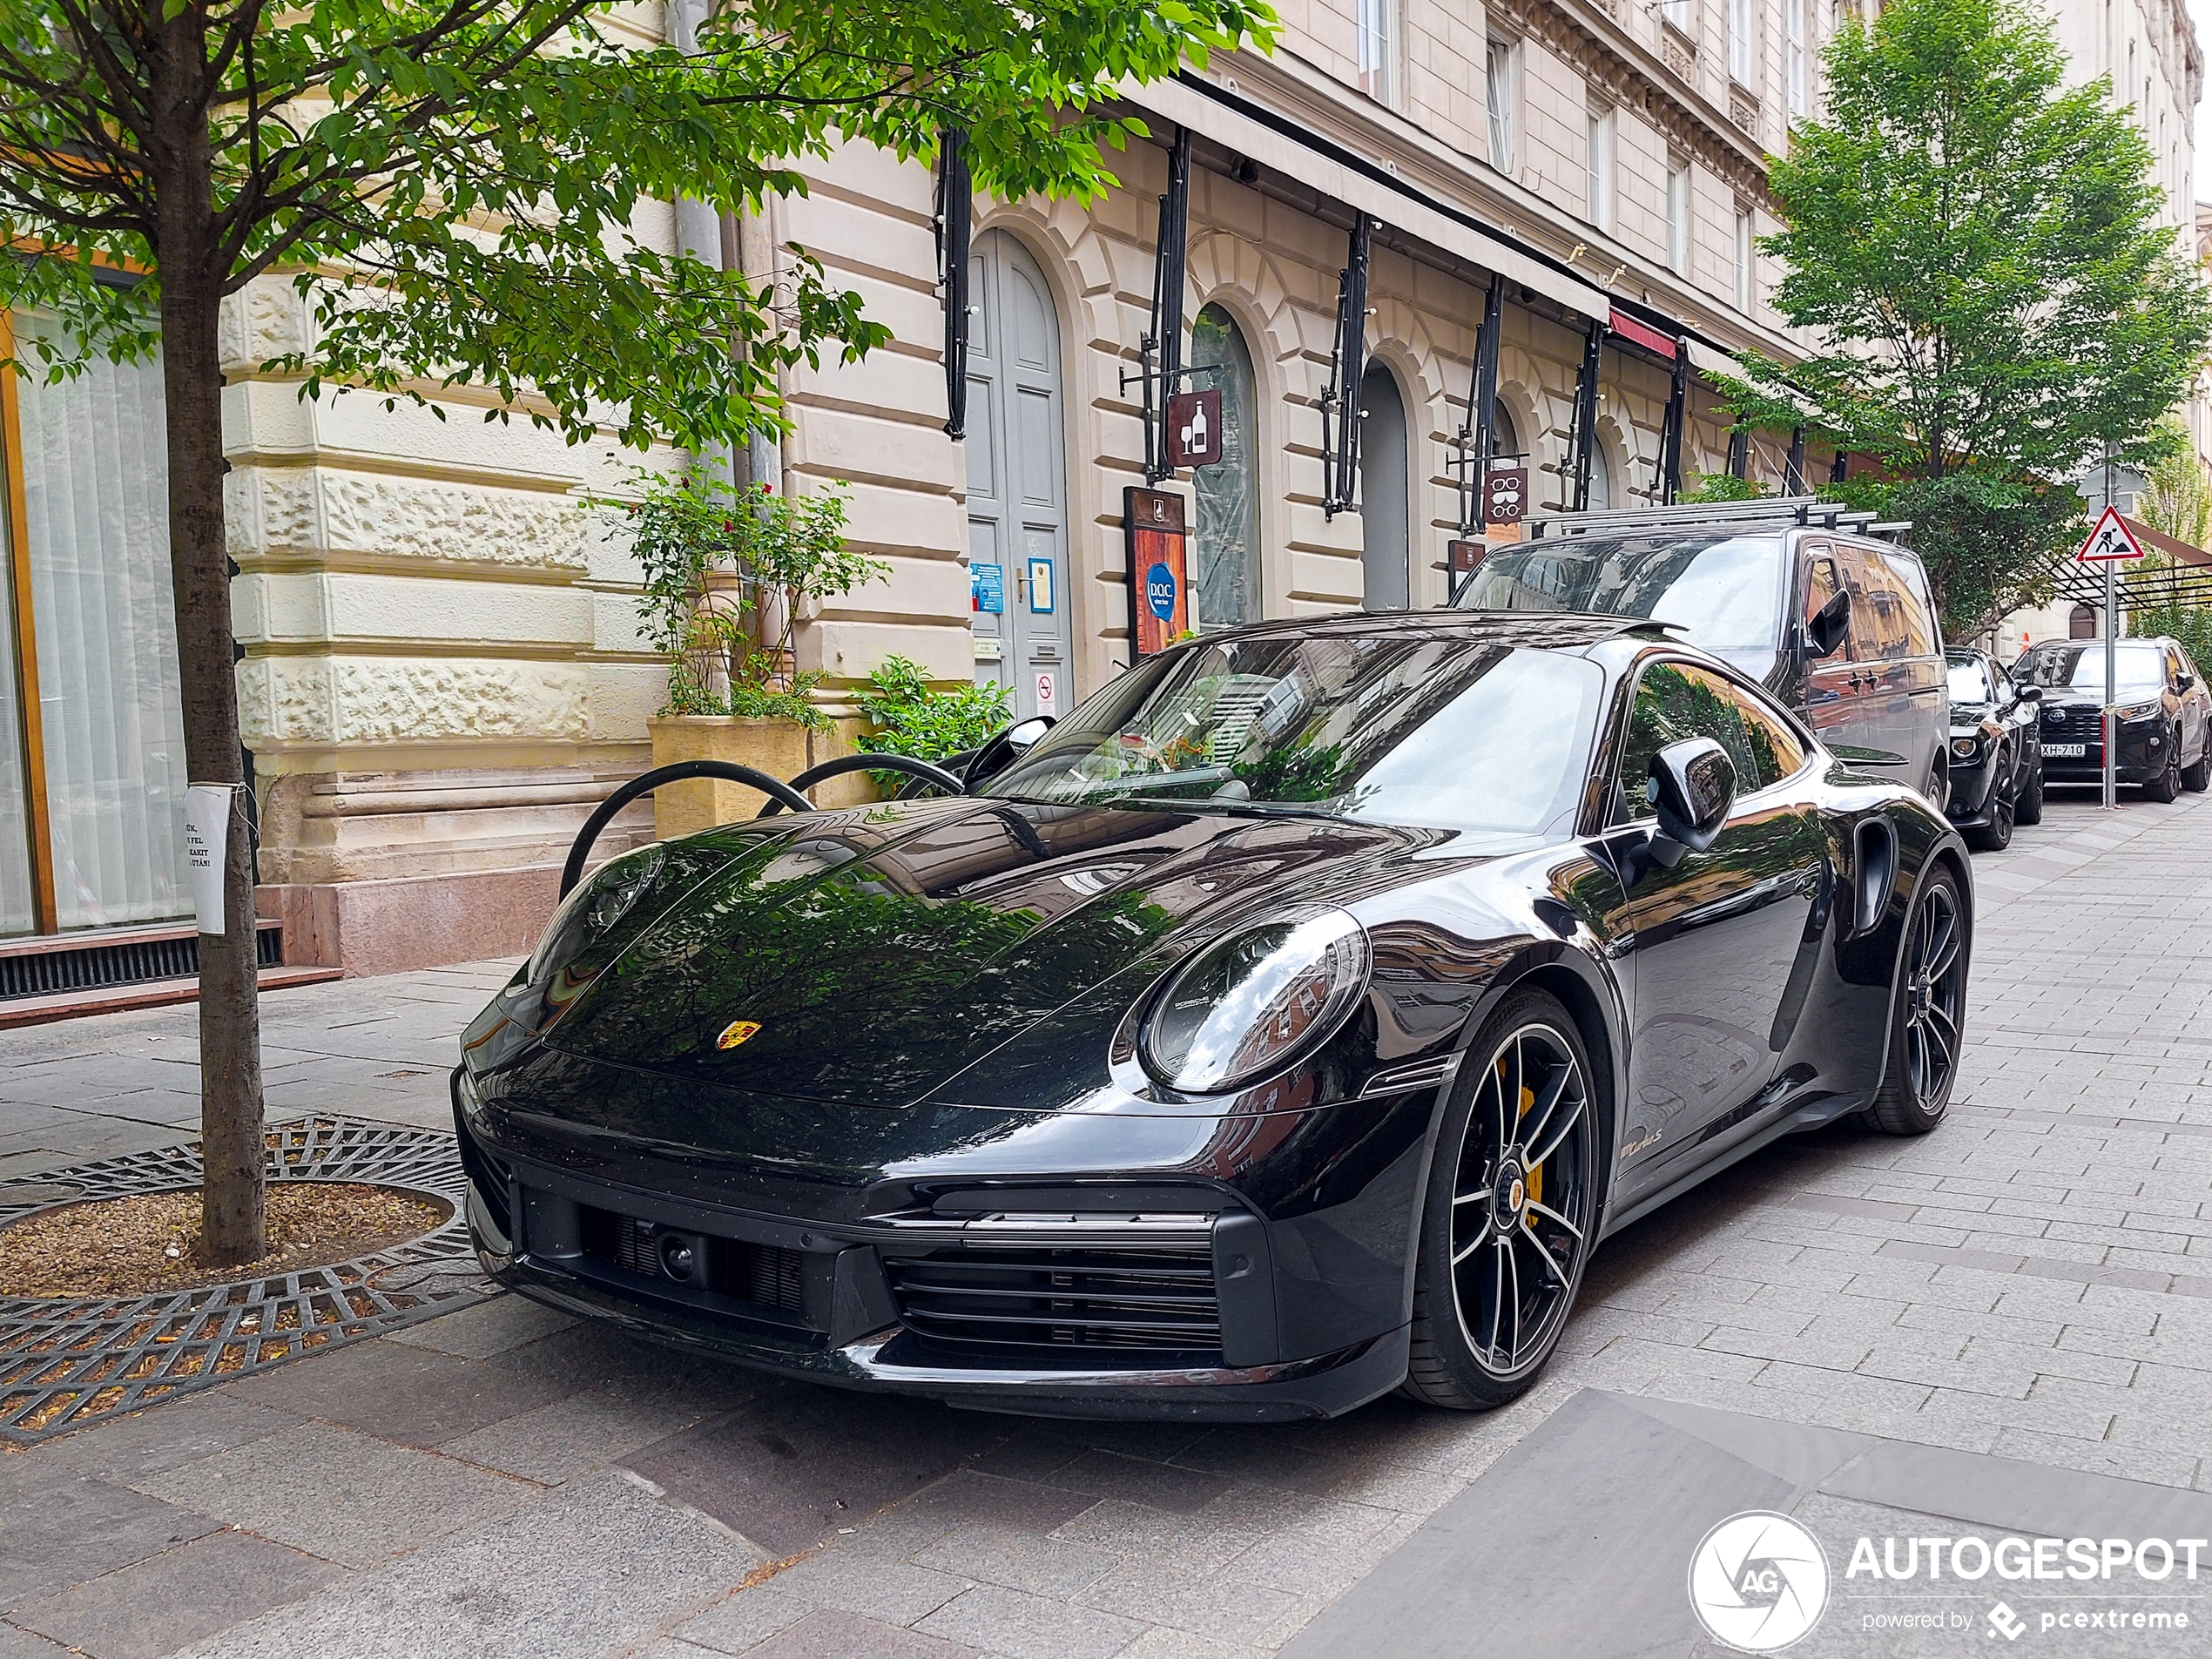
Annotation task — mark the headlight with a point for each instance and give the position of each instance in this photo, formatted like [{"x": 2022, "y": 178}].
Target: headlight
[
  {"x": 2141, "y": 711},
  {"x": 1245, "y": 1007},
  {"x": 572, "y": 952},
  {"x": 1964, "y": 748}
]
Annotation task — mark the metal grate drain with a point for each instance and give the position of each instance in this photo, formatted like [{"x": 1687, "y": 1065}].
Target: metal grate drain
[{"x": 64, "y": 1362}]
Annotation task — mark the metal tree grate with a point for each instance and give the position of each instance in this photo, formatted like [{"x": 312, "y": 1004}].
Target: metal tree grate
[{"x": 65, "y": 1361}]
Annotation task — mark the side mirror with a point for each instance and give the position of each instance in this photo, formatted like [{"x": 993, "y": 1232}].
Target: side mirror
[
  {"x": 1830, "y": 626},
  {"x": 2185, "y": 684},
  {"x": 2031, "y": 694},
  {"x": 1002, "y": 749},
  {"x": 1693, "y": 785}
]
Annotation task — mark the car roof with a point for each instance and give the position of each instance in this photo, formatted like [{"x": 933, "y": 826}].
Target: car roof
[{"x": 1536, "y": 630}]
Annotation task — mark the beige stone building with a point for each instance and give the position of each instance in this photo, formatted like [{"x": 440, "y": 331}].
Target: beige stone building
[{"x": 441, "y": 672}]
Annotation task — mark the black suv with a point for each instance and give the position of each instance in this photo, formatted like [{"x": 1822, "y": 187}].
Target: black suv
[
  {"x": 1996, "y": 751},
  {"x": 1837, "y": 624},
  {"x": 2165, "y": 713}
]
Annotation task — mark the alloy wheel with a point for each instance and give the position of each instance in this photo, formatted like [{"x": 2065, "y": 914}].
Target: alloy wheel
[
  {"x": 1935, "y": 995},
  {"x": 1523, "y": 1201}
]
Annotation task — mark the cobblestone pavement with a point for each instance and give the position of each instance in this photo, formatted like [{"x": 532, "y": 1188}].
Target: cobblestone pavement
[{"x": 2032, "y": 1280}]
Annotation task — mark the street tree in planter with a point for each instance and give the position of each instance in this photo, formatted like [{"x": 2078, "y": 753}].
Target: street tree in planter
[
  {"x": 451, "y": 185},
  {"x": 1979, "y": 249}
]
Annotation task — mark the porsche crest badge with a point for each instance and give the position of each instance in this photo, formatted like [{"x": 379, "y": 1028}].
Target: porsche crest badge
[{"x": 736, "y": 1032}]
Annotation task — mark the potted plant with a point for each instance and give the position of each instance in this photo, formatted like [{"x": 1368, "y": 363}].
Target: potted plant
[{"x": 728, "y": 575}]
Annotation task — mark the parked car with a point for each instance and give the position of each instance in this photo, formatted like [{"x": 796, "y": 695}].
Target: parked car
[
  {"x": 1840, "y": 626},
  {"x": 1285, "y": 1026},
  {"x": 1996, "y": 751},
  {"x": 2165, "y": 713}
]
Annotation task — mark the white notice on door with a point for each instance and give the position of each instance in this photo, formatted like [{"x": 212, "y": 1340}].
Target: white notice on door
[
  {"x": 207, "y": 825},
  {"x": 1047, "y": 702}
]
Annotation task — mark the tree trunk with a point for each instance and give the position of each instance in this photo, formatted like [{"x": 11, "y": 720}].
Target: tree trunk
[{"x": 191, "y": 291}]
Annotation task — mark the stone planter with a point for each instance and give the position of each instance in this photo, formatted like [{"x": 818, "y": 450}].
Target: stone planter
[{"x": 780, "y": 748}]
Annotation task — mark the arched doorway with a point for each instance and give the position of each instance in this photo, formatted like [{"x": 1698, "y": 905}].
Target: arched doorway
[
  {"x": 1385, "y": 548},
  {"x": 2081, "y": 622},
  {"x": 1017, "y": 513},
  {"x": 1601, "y": 476},
  {"x": 1226, "y": 543}
]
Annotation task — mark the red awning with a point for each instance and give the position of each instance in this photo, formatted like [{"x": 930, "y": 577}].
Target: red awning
[{"x": 1643, "y": 334}]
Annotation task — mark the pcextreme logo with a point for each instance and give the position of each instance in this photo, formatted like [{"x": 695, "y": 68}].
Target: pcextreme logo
[{"x": 1758, "y": 1581}]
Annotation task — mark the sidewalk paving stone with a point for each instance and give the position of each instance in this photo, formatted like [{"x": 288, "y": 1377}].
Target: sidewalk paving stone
[
  {"x": 2035, "y": 1280},
  {"x": 158, "y": 1605}
]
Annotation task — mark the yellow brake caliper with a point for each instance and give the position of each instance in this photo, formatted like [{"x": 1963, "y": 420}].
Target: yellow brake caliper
[{"x": 1536, "y": 1171}]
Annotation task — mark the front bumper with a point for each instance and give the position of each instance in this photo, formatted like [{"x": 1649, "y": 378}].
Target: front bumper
[
  {"x": 2140, "y": 754},
  {"x": 1973, "y": 791},
  {"x": 826, "y": 1292}
]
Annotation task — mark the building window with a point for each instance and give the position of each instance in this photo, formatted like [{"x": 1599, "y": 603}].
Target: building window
[
  {"x": 100, "y": 638},
  {"x": 1228, "y": 493},
  {"x": 1598, "y": 178},
  {"x": 2081, "y": 622},
  {"x": 1799, "y": 92},
  {"x": 1682, "y": 14},
  {"x": 1377, "y": 42},
  {"x": 1742, "y": 41},
  {"x": 1501, "y": 87},
  {"x": 1678, "y": 218},
  {"x": 1744, "y": 253}
]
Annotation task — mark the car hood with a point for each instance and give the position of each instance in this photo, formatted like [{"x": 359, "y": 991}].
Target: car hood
[{"x": 877, "y": 953}]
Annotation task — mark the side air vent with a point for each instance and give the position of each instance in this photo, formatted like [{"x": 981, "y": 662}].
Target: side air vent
[{"x": 1874, "y": 872}]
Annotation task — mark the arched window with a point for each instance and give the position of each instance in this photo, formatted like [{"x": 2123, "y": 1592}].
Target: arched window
[
  {"x": 2082, "y": 624},
  {"x": 1227, "y": 492},
  {"x": 1601, "y": 476},
  {"x": 1386, "y": 530}
]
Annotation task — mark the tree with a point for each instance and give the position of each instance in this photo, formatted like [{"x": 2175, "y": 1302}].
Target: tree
[
  {"x": 452, "y": 186},
  {"x": 1977, "y": 249},
  {"x": 2176, "y": 501}
]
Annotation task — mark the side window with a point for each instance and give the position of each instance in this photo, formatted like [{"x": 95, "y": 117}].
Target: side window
[
  {"x": 1909, "y": 578},
  {"x": 1877, "y": 608},
  {"x": 2173, "y": 669},
  {"x": 1776, "y": 751},
  {"x": 2001, "y": 682},
  {"x": 1674, "y": 701}
]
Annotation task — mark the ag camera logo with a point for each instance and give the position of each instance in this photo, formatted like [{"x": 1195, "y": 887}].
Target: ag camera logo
[{"x": 1758, "y": 1581}]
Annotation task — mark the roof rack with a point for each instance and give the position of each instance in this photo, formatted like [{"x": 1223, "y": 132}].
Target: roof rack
[{"x": 1765, "y": 509}]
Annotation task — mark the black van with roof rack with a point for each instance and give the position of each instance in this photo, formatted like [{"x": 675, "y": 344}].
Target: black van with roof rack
[{"x": 1829, "y": 610}]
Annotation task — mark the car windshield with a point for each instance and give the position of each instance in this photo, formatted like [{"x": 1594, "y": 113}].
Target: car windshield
[
  {"x": 1969, "y": 680},
  {"x": 2138, "y": 668},
  {"x": 1724, "y": 591},
  {"x": 1449, "y": 731}
]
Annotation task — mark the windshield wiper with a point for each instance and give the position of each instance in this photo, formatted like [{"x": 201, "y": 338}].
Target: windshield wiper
[{"x": 1229, "y": 808}]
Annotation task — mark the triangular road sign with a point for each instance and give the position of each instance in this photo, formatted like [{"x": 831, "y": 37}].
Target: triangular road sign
[{"x": 2110, "y": 539}]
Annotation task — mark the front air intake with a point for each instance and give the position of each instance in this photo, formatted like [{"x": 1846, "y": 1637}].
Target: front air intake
[{"x": 1029, "y": 1301}]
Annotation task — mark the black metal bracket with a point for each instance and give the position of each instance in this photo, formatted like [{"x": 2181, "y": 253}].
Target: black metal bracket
[
  {"x": 1667, "y": 474},
  {"x": 645, "y": 782},
  {"x": 1160, "y": 350},
  {"x": 1340, "y": 410},
  {"x": 1793, "y": 470},
  {"x": 1582, "y": 449},
  {"x": 1471, "y": 450},
  {"x": 955, "y": 221}
]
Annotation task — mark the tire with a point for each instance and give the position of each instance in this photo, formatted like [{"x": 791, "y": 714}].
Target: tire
[
  {"x": 1927, "y": 1010},
  {"x": 1996, "y": 835},
  {"x": 2166, "y": 784},
  {"x": 1938, "y": 794},
  {"x": 2196, "y": 777},
  {"x": 1480, "y": 1242},
  {"x": 2028, "y": 808}
]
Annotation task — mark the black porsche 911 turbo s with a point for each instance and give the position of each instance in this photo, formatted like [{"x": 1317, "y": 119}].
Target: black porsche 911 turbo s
[{"x": 1286, "y": 1025}]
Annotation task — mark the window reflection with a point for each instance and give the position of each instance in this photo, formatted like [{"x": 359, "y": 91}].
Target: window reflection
[{"x": 1227, "y": 492}]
